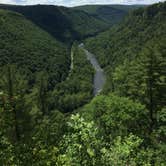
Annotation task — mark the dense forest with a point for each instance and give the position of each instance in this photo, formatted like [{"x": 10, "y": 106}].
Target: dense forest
[
  {"x": 68, "y": 24},
  {"x": 31, "y": 49},
  {"x": 111, "y": 14},
  {"x": 48, "y": 113},
  {"x": 133, "y": 55},
  {"x": 65, "y": 24}
]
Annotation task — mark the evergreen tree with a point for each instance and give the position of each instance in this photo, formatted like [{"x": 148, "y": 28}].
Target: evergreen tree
[
  {"x": 13, "y": 88},
  {"x": 42, "y": 86},
  {"x": 153, "y": 66}
]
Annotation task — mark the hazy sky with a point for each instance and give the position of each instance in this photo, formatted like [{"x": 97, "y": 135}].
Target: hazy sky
[{"x": 77, "y": 2}]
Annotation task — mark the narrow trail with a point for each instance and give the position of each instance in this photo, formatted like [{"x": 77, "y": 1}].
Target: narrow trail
[{"x": 99, "y": 77}]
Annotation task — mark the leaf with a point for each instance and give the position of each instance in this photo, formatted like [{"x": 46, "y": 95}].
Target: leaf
[{"x": 90, "y": 152}]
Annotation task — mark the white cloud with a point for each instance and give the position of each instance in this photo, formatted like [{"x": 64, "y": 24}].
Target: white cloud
[
  {"x": 77, "y": 2},
  {"x": 6, "y": 1},
  {"x": 31, "y": 2}
]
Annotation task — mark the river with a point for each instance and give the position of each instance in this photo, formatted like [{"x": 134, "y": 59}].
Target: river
[{"x": 99, "y": 77}]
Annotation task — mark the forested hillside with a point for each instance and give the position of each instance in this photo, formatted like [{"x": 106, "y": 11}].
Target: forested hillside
[
  {"x": 142, "y": 33},
  {"x": 112, "y": 14},
  {"x": 48, "y": 113},
  {"x": 77, "y": 89},
  {"x": 31, "y": 49},
  {"x": 65, "y": 24},
  {"x": 33, "y": 119},
  {"x": 127, "y": 39},
  {"x": 133, "y": 55}
]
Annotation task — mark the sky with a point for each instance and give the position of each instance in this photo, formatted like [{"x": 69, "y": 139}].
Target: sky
[{"x": 77, "y": 2}]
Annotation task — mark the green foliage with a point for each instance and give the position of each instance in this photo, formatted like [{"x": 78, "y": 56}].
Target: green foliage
[
  {"x": 13, "y": 104},
  {"x": 126, "y": 41},
  {"x": 65, "y": 24},
  {"x": 44, "y": 155},
  {"x": 80, "y": 146},
  {"x": 122, "y": 152},
  {"x": 126, "y": 127},
  {"x": 112, "y": 14},
  {"x": 133, "y": 55},
  {"x": 117, "y": 116},
  {"x": 42, "y": 97},
  {"x": 159, "y": 136},
  {"x": 83, "y": 145},
  {"x": 138, "y": 30},
  {"x": 77, "y": 89},
  {"x": 49, "y": 129},
  {"x": 144, "y": 79},
  {"x": 24, "y": 44},
  {"x": 7, "y": 153}
]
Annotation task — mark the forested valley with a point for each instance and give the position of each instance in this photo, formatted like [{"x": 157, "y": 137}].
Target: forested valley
[{"x": 49, "y": 115}]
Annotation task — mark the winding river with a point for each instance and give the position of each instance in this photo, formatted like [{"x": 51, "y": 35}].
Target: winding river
[{"x": 99, "y": 77}]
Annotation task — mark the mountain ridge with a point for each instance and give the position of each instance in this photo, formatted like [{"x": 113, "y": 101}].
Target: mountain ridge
[
  {"x": 67, "y": 23},
  {"x": 112, "y": 14}
]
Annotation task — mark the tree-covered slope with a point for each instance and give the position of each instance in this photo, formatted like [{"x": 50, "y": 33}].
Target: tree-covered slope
[
  {"x": 111, "y": 14},
  {"x": 125, "y": 125},
  {"x": 63, "y": 23},
  {"x": 133, "y": 55},
  {"x": 127, "y": 39},
  {"x": 24, "y": 44}
]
